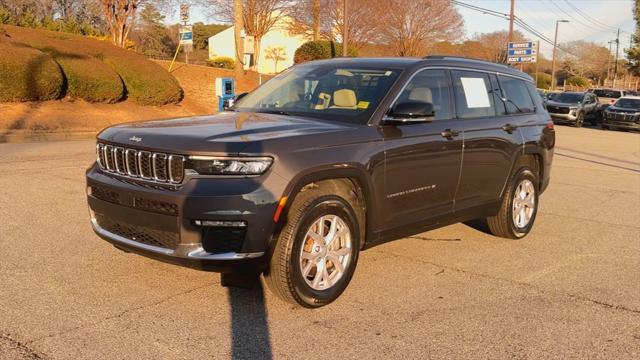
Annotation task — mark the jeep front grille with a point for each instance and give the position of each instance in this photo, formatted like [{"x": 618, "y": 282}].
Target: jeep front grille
[{"x": 139, "y": 164}]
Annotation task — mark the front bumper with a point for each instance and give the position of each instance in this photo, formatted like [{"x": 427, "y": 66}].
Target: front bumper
[
  {"x": 626, "y": 125},
  {"x": 564, "y": 118},
  {"x": 160, "y": 223}
]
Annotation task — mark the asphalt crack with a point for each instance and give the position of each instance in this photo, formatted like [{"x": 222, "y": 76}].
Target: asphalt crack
[
  {"x": 22, "y": 349},
  {"x": 118, "y": 315},
  {"x": 495, "y": 278}
]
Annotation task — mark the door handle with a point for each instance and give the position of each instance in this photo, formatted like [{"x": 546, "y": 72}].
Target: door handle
[
  {"x": 450, "y": 133},
  {"x": 509, "y": 128}
]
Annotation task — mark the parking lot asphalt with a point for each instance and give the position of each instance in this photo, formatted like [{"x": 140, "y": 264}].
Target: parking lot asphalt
[{"x": 571, "y": 289}]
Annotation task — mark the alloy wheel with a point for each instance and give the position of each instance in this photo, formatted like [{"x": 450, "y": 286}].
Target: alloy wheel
[{"x": 524, "y": 203}]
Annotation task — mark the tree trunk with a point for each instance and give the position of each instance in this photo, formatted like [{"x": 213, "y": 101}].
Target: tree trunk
[
  {"x": 257, "y": 42},
  {"x": 316, "y": 19},
  {"x": 238, "y": 27}
]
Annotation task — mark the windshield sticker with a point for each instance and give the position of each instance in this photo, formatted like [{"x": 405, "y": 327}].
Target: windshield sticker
[
  {"x": 475, "y": 92},
  {"x": 363, "y": 105}
]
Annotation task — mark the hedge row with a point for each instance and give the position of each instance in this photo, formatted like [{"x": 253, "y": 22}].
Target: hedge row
[
  {"x": 316, "y": 50},
  {"x": 27, "y": 74},
  {"x": 97, "y": 71}
]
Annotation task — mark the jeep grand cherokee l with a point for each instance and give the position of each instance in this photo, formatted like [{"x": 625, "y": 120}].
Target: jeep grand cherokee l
[{"x": 322, "y": 161}]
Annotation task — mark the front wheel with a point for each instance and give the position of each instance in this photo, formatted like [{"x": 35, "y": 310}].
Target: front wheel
[
  {"x": 316, "y": 253},
  {"x": 519, "y": 207},
  {"x": 580, "y": 120}
]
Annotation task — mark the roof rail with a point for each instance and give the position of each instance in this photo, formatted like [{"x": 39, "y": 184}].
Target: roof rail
[{"x": 453, "y": 57}]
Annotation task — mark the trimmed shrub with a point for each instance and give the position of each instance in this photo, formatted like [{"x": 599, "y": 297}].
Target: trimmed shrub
[
  {"x": 222, "y": 62},
  {"x": 27, "y": 74},
  {"x": 544, "y": 80},
  {"x": 578, "y": 81},
  {"x": 91, "y": 79},
  {"x": 316, "y": 50},
  {"x": 145, "y": 82}
]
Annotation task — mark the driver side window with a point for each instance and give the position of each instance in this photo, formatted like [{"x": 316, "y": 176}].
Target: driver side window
[{"x": 429, "y": 86}]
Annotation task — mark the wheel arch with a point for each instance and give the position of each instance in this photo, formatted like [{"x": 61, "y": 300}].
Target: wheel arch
[{"x": 351, "y": 177}]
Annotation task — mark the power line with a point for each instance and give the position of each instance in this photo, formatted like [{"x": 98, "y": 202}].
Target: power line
[
  {"x": 577, "y": 20},
  {"x": 590, "y": 18}
]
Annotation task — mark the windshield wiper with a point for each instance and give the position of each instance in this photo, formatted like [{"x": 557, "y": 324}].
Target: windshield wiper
[{"x": 277, "y": 112}]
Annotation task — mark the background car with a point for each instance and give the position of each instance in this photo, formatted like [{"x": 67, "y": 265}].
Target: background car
[
  {"x": 623, "y": 114},
  {"x": 607, "y": 96},
  {"x": 573, "y": 108}
]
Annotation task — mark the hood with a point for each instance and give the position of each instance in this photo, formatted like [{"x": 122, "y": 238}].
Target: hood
[
  {"x": 561, "y": 104},
  {"x": 224, "y": 133},
  {"x": 616, "y": 109}
]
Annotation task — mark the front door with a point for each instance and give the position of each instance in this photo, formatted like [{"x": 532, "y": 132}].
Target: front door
[{"x": 422, "y": 160}]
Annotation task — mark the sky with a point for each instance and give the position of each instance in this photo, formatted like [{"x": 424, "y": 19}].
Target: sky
[{"x": 596, "y": 21}]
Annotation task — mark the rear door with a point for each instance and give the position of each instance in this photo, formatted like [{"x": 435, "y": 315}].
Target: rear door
[
  {"x": 492, "y": 109},
  {"x": 422, "y": 160}
]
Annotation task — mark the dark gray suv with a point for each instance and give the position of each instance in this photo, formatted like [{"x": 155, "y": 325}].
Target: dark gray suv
[{"x": 322, "y": 161}]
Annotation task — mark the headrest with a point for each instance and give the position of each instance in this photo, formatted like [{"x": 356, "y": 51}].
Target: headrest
[
  {"x": 421, "y": 94},
  {"x": 345, "y": 98}
]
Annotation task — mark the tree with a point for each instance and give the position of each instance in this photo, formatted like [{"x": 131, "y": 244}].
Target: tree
[
  {"x": 495, "y": 45},
  {"x": 585, "y": 59},
  {"x": 153, "y": 36},
  {"x": 258, "y": 17},
  {"x": 276, "y": 54},
  {"x": 202, "y": 32},
  {"x": 311, "y": 18},
  {"x": 121, "y": 15},
  {"x": 410, "y": 25},
  {"x": 238, "y": 11},
  {"x": 363, "y": 28},
  {"x": 633, "y": 53}
]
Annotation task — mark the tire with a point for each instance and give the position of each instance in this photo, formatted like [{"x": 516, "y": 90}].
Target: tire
[
  {"x": 285, "y": 274},
  {"x": 605, "y": 127},
  {"x": 504, "y": 224},
  {"x": 579, "y": 120}
]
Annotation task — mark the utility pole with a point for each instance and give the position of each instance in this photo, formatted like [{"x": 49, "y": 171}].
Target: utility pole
[
  {"x": 553, "y": 62},
  {"x": 511, "y": 17},
  {"x": 615, "y": 65},
  {"x": 345, "y": 29},
  {"x": 238, "y": 29},
  {"x": 609, "y": 61}
]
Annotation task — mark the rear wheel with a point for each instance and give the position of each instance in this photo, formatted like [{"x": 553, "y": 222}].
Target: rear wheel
[
  {"x": 519, "y": 207},
  {"x": 316, "y": 253}
]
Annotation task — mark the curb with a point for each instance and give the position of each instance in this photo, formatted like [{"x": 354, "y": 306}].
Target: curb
[{"x": 22, "y": 137}]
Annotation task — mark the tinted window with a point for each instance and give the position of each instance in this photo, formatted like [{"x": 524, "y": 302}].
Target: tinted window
[
  {"x": 570, "y": 98},
  {"x": 628, "y": 103},
  {"x": 607, "y": 93},
  {"x": 429, "y": 86},
  {"x": 497, "y": 96},
  {"x": 517, "y": 95},
  {"x": 473, "y": 94}
]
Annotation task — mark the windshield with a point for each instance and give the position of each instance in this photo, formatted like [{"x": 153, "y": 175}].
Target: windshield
[
  {"x": 324, "y": 91},
  {"x": 628, "y": 104},
  {"x": 568, "y": 98},
  {"x": 607, "y": 93}
]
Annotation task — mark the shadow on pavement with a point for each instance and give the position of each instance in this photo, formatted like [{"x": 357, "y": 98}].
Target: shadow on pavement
[{"x": 249, "y": 323}]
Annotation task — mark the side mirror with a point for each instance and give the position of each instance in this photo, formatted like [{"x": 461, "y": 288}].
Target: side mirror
[{"x": 410, "y": 112}]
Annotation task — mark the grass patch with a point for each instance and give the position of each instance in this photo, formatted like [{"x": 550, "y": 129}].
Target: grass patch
[{"x": 27, "y": 74}]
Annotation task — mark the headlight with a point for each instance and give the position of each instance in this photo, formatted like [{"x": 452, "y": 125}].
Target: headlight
[{"x": 207, "y": 165}]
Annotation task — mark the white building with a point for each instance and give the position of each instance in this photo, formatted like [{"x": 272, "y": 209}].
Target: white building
[{"x": 223, "y": 44}]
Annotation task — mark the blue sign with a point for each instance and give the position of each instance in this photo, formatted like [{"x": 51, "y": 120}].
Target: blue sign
[
  {"x": 522, "y": 52},
  {"x": 187, "y": 36},
  {"x": 513, "y": 52}
]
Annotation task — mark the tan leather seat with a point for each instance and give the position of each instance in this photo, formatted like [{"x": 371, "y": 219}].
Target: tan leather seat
[
  {"x": 421, "y": 94},
  {"x": 344, "y": 99}
]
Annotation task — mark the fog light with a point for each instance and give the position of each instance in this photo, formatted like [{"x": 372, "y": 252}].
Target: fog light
[{"x": 218, "y": 223}]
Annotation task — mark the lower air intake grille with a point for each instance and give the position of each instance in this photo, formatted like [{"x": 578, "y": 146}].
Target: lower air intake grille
[
  {"x": 141, "y": 234},
  {"x": 218, "y": 240}
]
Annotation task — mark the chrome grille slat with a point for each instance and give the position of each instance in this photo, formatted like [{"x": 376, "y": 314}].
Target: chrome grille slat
[
  {"x": 176, "y": 168},
  {"x": 140, "y": 164},
  {"x": 159, "y": 167},
  {"x": 118, "y": 155}
]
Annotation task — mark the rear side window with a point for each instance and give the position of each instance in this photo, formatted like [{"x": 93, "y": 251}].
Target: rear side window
[
  {"x": 518, "y": 98},
  {"x": 429, "y": 86},
  {"x": 474, "y": 98}
]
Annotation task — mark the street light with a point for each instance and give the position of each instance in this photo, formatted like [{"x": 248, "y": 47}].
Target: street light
[{"x": 553, "y": 63}]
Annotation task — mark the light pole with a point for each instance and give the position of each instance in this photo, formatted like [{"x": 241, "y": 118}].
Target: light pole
[{"x": 553, "y": 63}]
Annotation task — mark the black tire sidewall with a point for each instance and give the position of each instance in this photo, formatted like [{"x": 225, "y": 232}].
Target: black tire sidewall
[
  {"x": 324, "y": 205},
  {"x": 524, "y": 173}
]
